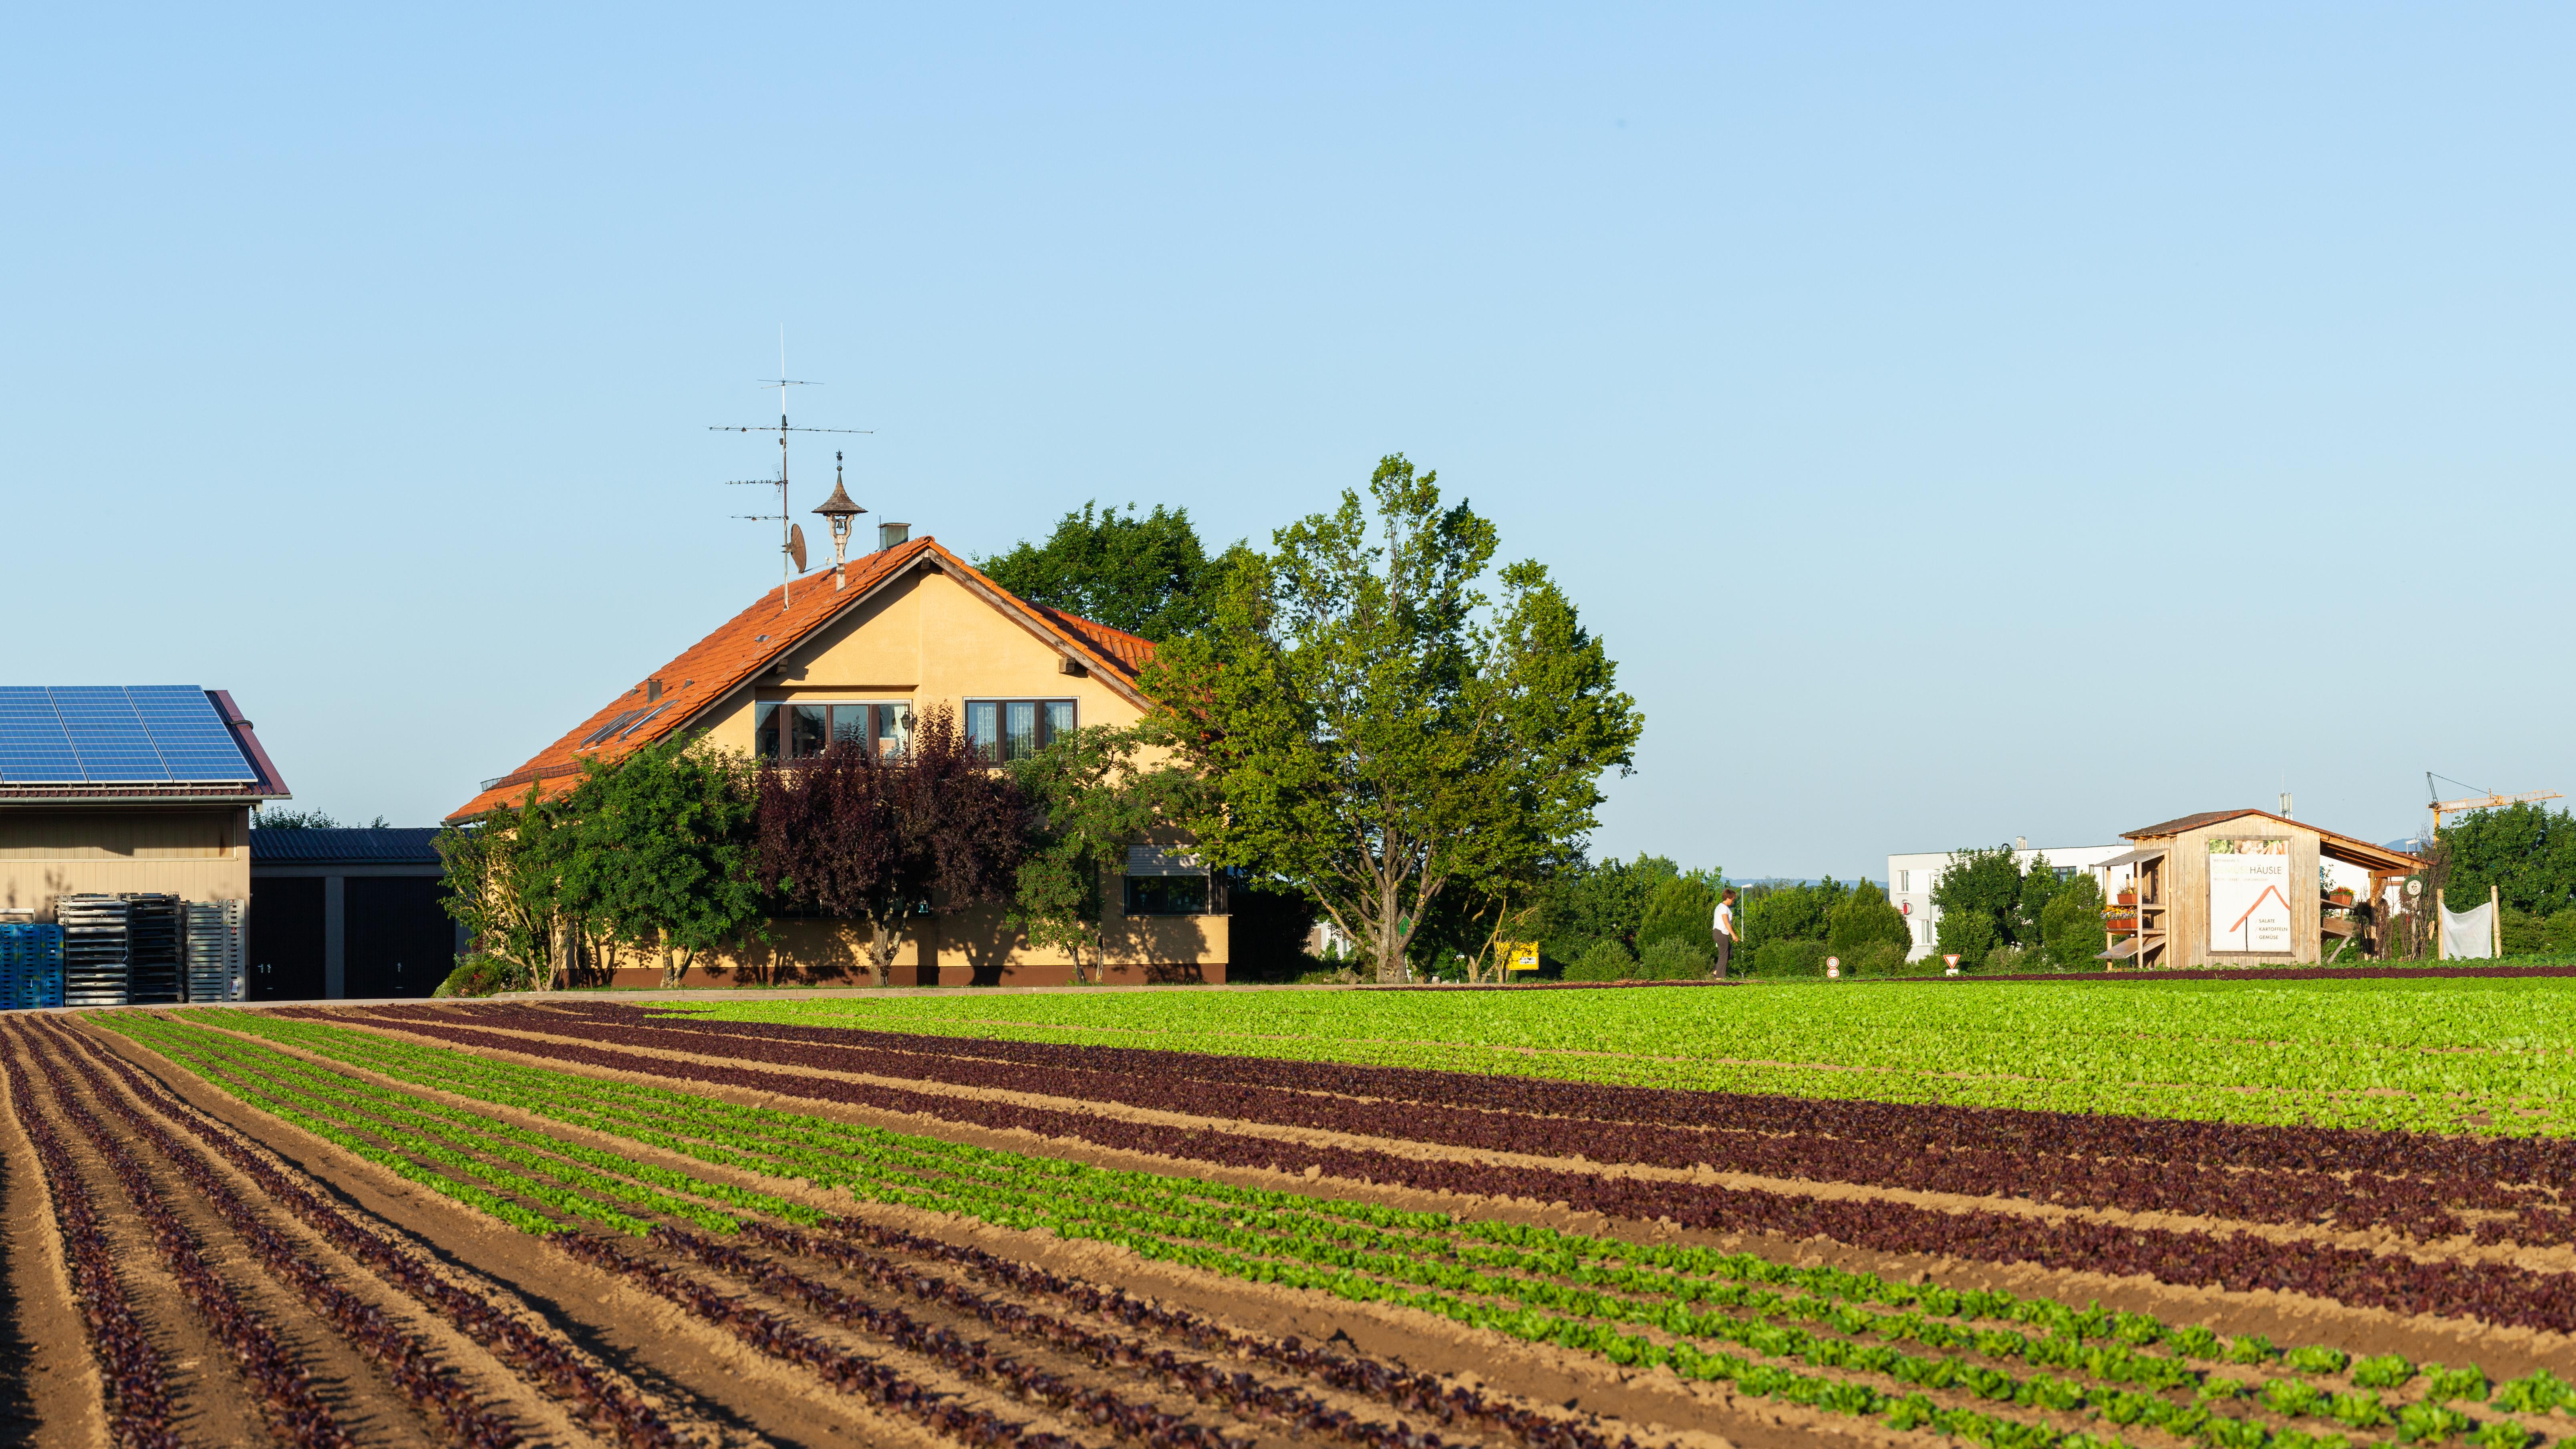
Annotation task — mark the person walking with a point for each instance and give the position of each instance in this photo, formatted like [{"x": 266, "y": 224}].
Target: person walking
[{"x": 1721, "y": 932}]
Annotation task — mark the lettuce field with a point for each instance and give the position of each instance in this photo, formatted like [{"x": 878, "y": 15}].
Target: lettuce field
[{"x": 2234, "y": 1214}]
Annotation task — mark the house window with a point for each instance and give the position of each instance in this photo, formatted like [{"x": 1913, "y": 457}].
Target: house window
[
  {"x": 1904, "y": 881},
  {"x": 1014, "y": 729},
  {"x": 802, "y": 731},
  {"x": 1167, "y": 895}
]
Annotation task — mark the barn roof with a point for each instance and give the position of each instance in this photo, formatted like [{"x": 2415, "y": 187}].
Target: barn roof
[{"x": 2352, "y": 850}]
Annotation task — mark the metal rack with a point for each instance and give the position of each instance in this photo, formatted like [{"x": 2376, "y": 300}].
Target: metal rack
[
  {"x": 153, "y": 930},
  {"x": 94, "y": 949},
  {"x": 214, "y": 951}
]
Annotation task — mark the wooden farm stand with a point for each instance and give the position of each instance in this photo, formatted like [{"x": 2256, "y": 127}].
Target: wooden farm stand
[{"x": 2169, "y": 925}]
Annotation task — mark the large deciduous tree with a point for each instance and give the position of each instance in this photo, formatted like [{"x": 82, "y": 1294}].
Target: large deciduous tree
[
  {"x": 1144, "y": 573},
  {"x": 1376, "y": 729},
  {"x": 662, "y": 854},
  {"x": 876, "y": 839}
]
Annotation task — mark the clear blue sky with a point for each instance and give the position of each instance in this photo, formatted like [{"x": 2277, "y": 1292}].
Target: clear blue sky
[{"x": 1963, "y": 422}]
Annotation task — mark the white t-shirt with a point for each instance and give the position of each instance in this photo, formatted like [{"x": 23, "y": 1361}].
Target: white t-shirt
[{"x": 1725, "y": 920}]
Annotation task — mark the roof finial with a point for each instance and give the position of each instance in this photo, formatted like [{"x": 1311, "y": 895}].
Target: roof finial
[{"x": 839, "y": 510}]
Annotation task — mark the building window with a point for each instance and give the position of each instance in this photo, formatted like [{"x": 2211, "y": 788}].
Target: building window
[
  {"x": 802, "y": 731},
  {"x": 1904, "y": 882},
  {"x": 1167, "y": 895},
  {"x": 1014, "y": 729}
]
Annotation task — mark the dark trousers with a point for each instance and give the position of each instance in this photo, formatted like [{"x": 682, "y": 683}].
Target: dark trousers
[{"x": 1725, "y": 947}]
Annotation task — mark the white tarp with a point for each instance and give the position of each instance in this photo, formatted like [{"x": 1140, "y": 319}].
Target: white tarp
[
  {"x": 2249, "y": 896},
  {"x": 2468, "y": 935}
]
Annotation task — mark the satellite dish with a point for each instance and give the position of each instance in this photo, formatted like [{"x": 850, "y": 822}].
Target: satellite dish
[{"x": 796, "y": 546}]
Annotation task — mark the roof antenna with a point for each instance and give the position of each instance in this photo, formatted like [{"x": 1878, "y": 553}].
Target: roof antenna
[{"x": 791, "y": 539}]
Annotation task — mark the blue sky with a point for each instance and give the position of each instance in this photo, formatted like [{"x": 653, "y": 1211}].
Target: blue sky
[{"x": 1963, "y": 422}]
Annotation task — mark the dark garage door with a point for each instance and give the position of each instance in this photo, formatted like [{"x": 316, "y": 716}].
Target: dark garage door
[
  {"x": 285, "y": 940},
  {"x": 400, "y": 941}
]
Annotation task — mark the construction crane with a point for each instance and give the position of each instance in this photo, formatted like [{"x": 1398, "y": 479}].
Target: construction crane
[{"x": 2488, "y": 801}]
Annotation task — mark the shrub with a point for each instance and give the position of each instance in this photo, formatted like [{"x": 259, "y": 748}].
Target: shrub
[
  {"x": 1864, "y": 918},
  {"x": 2560, "y": 932},
  {"x": 1681, "y": 909},
  {"x": 482, "y": 976},
  {"x": 2524, "y": 933},
  {"x": 1606, "y": 961},
  {"x": 2006, "y": 961},
  {"x": 1790, "y": 958},
  {"x": 1874, "y": 958},
  {"x": 1671, "y": 960}
]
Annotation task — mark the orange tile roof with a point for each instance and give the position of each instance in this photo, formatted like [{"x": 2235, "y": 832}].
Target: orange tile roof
[{"x": 739, "y": 649}]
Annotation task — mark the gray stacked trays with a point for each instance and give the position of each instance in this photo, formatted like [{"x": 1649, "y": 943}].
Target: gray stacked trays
[
  {"x": 152, "y": 965},
  {"x": 93, "y": 950},
  {"x": 214, "y": 951},
  {"x": 31, "y": 965}
]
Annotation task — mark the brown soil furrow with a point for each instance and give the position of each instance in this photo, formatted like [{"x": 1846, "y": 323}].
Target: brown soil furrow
[
  {"x": 342, "y": 1378},
  {"x": 55, "y": 1398},
  {"x": 1177, "y": 1404},
  {"x": 2288, "y": 1318},
  {"x": 521, "y": 1408},
  {"x": 210, "y": 1402},
  {"x": 1702, "y": 1416},
  {"x": 493, "y": 1318},
  {"x": 747, "y": 1396}
]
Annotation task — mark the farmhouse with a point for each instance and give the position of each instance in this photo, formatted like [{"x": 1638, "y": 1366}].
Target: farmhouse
[
  {"x": 2250, "y": 888},
  {"x": 856, "y": 653},
  {"x": 125, "y": 821}
]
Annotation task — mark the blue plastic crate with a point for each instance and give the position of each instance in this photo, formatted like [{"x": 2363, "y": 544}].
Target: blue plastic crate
[{"x": 31, "y": 966}]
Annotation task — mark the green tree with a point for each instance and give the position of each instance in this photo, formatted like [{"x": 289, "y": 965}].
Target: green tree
[
  {"x": 1864, "y": 918},
  {"x": 2527, "y": 852},
  {"x": 1794, "y": 912},
  {"x": 502, "y": 874},
  {"x": 1094, "y": 797},
  {"x": 2070, "y": 927},
  {"x": 1374, "y": 732},
  {"x": 662, "y": 852},
  {"x": 1682, "y": 909},
  {"x": 1144, "y": 573},
  {"x": 1979, "y": 898}
]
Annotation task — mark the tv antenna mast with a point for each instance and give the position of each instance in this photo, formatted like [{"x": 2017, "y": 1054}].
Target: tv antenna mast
[{"x": 791, "y": 539}]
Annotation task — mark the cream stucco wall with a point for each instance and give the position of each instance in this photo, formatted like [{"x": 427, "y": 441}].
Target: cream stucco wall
[
  {"x": 200, "y": 854},
  {"x": 924, "y": 639}
]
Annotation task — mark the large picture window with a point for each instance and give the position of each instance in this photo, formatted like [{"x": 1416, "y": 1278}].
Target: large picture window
[
  {"x": 1004, "y": 730},
  {"x": 801, "y": 731}
]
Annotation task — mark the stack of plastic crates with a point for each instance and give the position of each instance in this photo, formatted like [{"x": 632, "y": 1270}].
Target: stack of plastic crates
[
  {"x": 152, "y": 949},
  {"x": 31, "y": 966},
  {"x": 93, "y": 949},
  {"x": 214, "y": 950}
]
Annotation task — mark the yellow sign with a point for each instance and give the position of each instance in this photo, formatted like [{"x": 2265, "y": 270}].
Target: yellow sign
[{"x": 1520, "y": 955}]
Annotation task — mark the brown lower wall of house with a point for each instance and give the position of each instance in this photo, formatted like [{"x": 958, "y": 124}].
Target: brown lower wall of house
[{"x": 974, "y": 947}]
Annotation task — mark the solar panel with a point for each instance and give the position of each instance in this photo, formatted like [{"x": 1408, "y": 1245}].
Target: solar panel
[
  {"x": 107, "y": 735},
  {"x": 193, "y": 741},
  {"x": 112, "y": 734},
  {"x": 33, "y": 747}
]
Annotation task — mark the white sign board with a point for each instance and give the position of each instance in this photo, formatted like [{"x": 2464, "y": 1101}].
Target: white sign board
[{"x": 2249, "y": 896}]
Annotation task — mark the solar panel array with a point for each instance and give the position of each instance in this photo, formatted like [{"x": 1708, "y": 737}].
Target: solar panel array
[{"x": 115, "y": 734}]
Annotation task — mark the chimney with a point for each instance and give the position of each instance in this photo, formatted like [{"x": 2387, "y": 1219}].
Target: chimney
[
  {"x": 652, "y": 690},
  {"x": 890, "y": 534}
]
